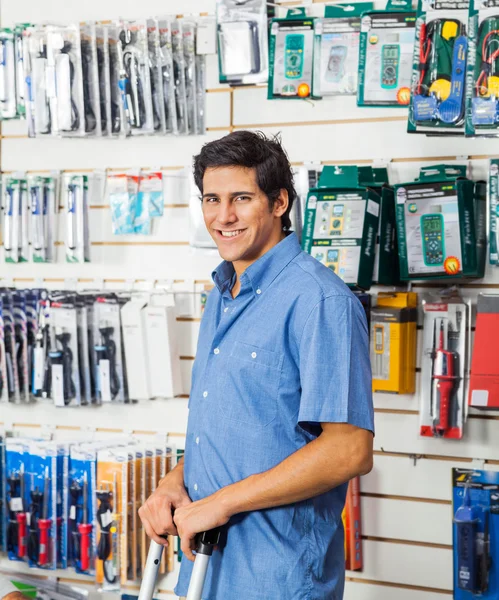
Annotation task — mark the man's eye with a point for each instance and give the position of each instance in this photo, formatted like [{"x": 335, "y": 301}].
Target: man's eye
[
  {"x": 243, "y": 198},
  {"x": 210, "y": 200}
]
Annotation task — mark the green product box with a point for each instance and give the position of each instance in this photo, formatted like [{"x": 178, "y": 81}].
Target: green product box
[
  {"x": 341, "y": 224},
  {"x": 438, "y": 100},
  {"x": 482, "y": 80},
  {"x": 441, "y": 225},
  {"x": 291, "y": 55},
  {"x": 385, "y": 56},
  {"x": 336, "y": 50},
  {"x": 386, "y": 264},
  {"x": 493, "y": 193}
]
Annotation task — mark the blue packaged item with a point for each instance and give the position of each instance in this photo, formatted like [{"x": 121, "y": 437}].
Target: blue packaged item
[{"x": 16, "y": 459}]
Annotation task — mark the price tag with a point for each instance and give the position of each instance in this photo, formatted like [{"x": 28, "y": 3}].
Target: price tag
[
  {"x": 72, "y": 513},
  {"x": 38, "y": 368},
  {"x": 58, "y": 385},
  {"x": 106, "y": 518},
  {"x": 16, "y": 504},
  {"x": 104, "y": 380}
]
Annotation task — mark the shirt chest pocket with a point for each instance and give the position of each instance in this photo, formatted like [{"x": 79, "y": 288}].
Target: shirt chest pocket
[{"x": 250, "y": 385}]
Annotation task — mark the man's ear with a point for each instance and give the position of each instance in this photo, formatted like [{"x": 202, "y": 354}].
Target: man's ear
[{"x": 281, "y": 204}]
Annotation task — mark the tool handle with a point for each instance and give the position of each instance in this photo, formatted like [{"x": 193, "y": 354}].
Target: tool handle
[
  {"x": 21, "y": 534},
  {"x": 84, "y": 529},
  {"x": 444, "y": 387},
  {"x": 44, "y": 527},
  {"x": 151, "y": 571}
]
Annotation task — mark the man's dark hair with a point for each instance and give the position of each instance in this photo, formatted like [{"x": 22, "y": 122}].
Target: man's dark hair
[{"x": 254, "y": 151}]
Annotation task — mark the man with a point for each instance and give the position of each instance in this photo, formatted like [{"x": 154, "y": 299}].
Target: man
[{"x": 281, "y": 414}]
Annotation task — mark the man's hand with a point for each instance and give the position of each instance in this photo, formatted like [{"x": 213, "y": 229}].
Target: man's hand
[
  {"x": 15, "y": 596},
  {"x": 197, "y": 517},
  {"x": 157, "y": 512}
]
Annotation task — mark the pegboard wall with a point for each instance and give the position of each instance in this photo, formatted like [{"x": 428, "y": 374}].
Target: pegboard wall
[{"x": 406, "y": 500}]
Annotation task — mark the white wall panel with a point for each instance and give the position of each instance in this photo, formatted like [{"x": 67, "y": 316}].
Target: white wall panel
[{"x": 367, "y": 591}]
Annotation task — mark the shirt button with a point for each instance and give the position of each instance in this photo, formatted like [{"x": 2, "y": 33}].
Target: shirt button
[
  {"x": 205, "y": 394},
  {"x": 197, "y": 440},
  {"x": 253, "y": 355},
  {"x": 258, "y": 291},
  {"x": 195, "y": 487},
  {"x": 216, "y": 351},
  {"x": 226, "y": 309}
]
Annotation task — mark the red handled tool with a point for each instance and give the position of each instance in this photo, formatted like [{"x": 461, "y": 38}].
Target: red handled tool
[
  {"x": 85, "y": 529},
  {"x": 45, "y": 523},
  {"x": 22, "y": 529},
  {"x": 443, "y": 382}
]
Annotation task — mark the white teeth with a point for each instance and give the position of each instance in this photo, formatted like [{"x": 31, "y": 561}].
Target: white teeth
[{"x": 230, "y": 233}]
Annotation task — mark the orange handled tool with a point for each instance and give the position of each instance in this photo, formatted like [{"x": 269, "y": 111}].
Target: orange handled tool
[
  {"x": 45, "y": 523},
  {"x": 443, "y": 382},
  {"x": 85, "y": 529}
]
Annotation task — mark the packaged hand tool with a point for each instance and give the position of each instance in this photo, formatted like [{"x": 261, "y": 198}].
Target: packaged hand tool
[
  {"x": 439, "y": 70},
  {"x": 103, "y": 68},
  {"x": 441, "y": 225},
  {"x": 336, "y": 52},
  {"x": 156, "y": 76},
  {"x": 15, "y": 218},
  {"x": 76, "y": 217},
  {"x": 444, "y": 370},
  {"x": 242, "y": 41},
  {"x": 482, "y": 111},
  {"x": 475, "y": 500},
  {"x": 120, "y": 111},
  {"x": 168, "y": 77},
  {"x": 11, "y": 364},
  {"x": 17, "y": 459},
  {"x": 291, "y": 56},
  {"x": 385, "y": 57},
  {"x": 4, "y": 390},
  {"x": 43, "y": 197},
  {"x": 90, "y": 80},
  {"x": 189, "y": 45},
  {"x": 21, "y": 339},
  {"x": 20, "y": 58},
  {"x": 8, "y": 79},
  {"x": 178, "y": 57}
]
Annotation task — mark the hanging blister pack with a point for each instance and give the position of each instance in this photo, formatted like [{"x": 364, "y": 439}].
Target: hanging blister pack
[
  {"x": 32, "y": 309},
  {"x": 15, "y": 218},
  {"x": 90, "y": 76},
  {"x": 16, "y": 467},
  {"x": 336, "y": 53},
  {"x": 11, "y": 374},
  {"x": 65, "y": 389},
  {"x": 21, "y": 339},
  {"x": 482, "y": 103},
  {"x": 167, "y": 75},
  {"x": 493, "y": 204},
  {"x": 103, "y": 68},
  {"x": 28, "y": 76},
  {"x": 439, "y": 69},
  {"x": 42, "y": 192},
  {"x": 242, "y": 41},
  {"x": 4, "y": 376},
  {"x": 120, "y": 116},
  {"x": 201, "y": 94},
  {"x": 83, "y": 350},
  {"x": 8, "y": 99},
  {"x": 133, "y": 39},
  {"x": 75, "y": 202},
  {"x": 41, "y": 365},
  {"x": 151, "y": 192},
  {"x": 156, "y": 77},
  {"x": 122, "y": 190},
  {"x": 179, "y": 78},
  {"x": 189, "y": 43},
  {"x": 20, "y": 68}
]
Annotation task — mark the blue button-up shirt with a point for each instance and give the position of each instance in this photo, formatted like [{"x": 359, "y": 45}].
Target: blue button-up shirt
[{"x": 288, "y": 353}]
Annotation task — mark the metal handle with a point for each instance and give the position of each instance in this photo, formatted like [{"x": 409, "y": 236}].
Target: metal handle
[
  {"x": 151, "y": 571},
  {"x": 206, "y": 543}
]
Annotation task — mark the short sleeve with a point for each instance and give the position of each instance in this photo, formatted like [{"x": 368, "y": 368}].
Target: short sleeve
[{"x": 335, "y": 368}]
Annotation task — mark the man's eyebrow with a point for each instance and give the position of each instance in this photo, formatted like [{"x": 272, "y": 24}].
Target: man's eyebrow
[{"x": 232, "y": 194}]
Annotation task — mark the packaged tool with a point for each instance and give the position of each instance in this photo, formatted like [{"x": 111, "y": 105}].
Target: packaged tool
[
  {"x": 156, "y": 77},
  {"x": 189, "y": 46},
  {"x": 83, "y": 350},
  {"x": 122, "y": 193},
  {"x": 385, "y": 56},
  {"x": 120, "y": 111},
  {"x": 482, "y": 107},
  {"x": 352, "y": 523},
  {"x": 200, "y": 94},
  {"x": 441, "y": 225},
  {"x": 386, "y": 267},
  {"x": 11, "y": 372},
  {"x": 21, "y": 339},
  {"x": 104, "y": 74},
  {"x": 178, "y": 57},
  {"x": 291, "y": 56},
  {"x": 108, "y": 351},
  {"x": 15, "y": 218},
  {"x": 393, "y": 342},
  {"x": 151, "y": 192},
  {"x": 341, "y": 224},
  {"x": 137, "y": 76},
  {"x": 242, "y": 41},
  {"x": 484, "y": 379},
  {"x": 439, "y": 70},
  {"x": 32, "y": 300},
  {"x": 8, "y": 79},
  {"x": 445, "y": 364},
  {"x": 3, "y": 513},
  {"x": 493, "y": 197},
  {"x": 28, "y": 78},
  {"x": 76, "y": 217},
  {"x": 168, "y": 75},
  {"x": 41, "y": 375},
  {"x": 65, "y": 385},
  {"x": 16, "y": 467},
  {"x": 20, "y": 68},
  {"x": 4, "y": 376},
  {"x": 43, "y": 197},
  {"x": 135, "y": 344},
  {"x": 336, "y": 52},
  {"x": 475, "y": 506},
  {"x": 82, "y": 535},
  {"x": 90, "y": 80}
]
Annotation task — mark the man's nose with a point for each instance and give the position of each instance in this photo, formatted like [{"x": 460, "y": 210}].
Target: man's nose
[{"x": 227, "y": 212}]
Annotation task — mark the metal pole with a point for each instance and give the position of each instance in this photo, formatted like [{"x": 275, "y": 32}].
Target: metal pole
[{"x": 151, "y": 571}]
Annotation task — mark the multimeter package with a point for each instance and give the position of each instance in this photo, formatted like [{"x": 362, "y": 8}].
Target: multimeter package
[
  {"x": 482, "y": 110},
  {"x": 242, "y": 41},
  {"x": 475, "y": 508},
  {"x": 291, "y": 56},
  {"x": 393, "y": 342},
  {"x": 341, "y": 225},
  {"x": 336, "y": 52},
  {"x": 445, "y": 366},
  {"x": 385, "y": 57},
  {"x": 441, "y": 225},
  {"x": 439, "y": 71}
]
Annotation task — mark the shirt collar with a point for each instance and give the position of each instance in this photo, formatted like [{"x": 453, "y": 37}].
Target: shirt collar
[{"x": 263, "y": 271}]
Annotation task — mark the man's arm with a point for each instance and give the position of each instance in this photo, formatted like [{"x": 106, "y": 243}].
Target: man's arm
[{"x": 341, "y": 452}]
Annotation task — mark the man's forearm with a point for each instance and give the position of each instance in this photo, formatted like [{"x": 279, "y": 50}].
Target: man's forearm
[{"x": 315, "y": 469}]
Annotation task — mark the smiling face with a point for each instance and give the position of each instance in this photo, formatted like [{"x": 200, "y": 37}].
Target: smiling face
[{"x": 238, "y": 216}]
